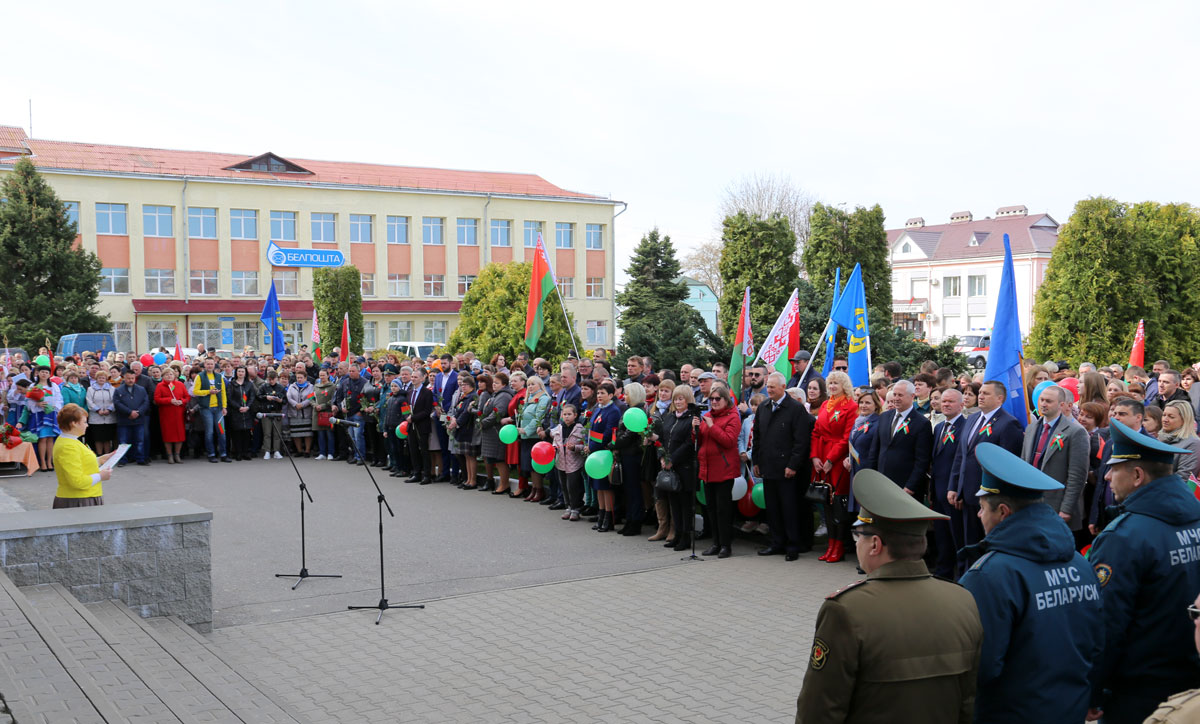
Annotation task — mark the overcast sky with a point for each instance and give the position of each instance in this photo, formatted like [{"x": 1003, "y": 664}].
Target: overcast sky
[{"x": 924, "y": 108}]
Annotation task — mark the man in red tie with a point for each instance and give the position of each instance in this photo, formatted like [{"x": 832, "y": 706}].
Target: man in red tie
[{"x": 1059, "y": 446}]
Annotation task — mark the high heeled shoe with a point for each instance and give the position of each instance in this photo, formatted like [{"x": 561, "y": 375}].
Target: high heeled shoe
[
  {"x": 828, "y": 549},
  {"x": 506, "y": 491},
  {"x": 537, "y": 496},
  {"x": 839, "y": 550}
]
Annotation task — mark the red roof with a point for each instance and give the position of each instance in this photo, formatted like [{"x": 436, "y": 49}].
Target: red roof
[
  {"x": 204, "y": 164},
  {"x": 1034, "y": 234},
  {"x": 290, "y": 309}
]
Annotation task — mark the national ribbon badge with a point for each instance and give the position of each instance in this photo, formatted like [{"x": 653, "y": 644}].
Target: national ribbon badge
[
  {"x": 1057, "y": 444},
  {"x": 987, "y": 429},
  {"x": 948, "y": 435},
  {"x": 904, "y": 426}
]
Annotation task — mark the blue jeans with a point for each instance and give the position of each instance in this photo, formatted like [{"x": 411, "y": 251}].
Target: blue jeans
[
  {"x": 135, "y": 436},
  {"x": 213, "y": 423},
  {"x": 358, "y": 434},
  {"x": 325, "y": 442}
]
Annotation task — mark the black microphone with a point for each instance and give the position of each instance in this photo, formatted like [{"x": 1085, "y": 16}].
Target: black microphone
[
  {"x": 347, "y": 423},
  {"x": 261, "y": 415}
]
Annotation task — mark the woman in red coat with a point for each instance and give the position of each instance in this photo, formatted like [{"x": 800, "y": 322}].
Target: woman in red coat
[
  {"x": 830, "y": 446},
  {"x": 718, "y": 431},
  {"x": 512, "y": 453},
  {"x": 172, "y": 397}
]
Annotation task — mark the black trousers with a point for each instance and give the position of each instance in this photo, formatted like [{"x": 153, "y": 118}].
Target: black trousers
[
  {"x": 631, "y": 478},
  {"x": 720, "y": 511},
  {"x": 789, "y": 514},
  {"x": 946, "y": 534},
  {"x": 418, "y": 445},
  {"x": 398, "y": 451},
  {"x": 682, "y": 505}
]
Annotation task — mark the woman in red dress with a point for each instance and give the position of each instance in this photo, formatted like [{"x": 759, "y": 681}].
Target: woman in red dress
[
  {"x": 513, "y": 451},
  {"x": 830, "y": 446},
  {"x": 171, "y": 396}
]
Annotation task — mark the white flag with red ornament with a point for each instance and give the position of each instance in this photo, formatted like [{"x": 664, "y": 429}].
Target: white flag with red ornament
[
  {"x": 784, "y": 339},
  {"x": 316, "y": 337}
]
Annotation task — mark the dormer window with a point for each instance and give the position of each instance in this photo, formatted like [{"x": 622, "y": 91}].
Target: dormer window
[
  {"x": 906, "y": 248},
  {"x": 978, "y": 238},
  {"x": 268, "y": 163}
]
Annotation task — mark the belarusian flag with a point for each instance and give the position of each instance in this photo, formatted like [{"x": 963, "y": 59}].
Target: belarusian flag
[
  {"x": 178, "y": 352},
  {"x": 784, "y": 339},
  {"x": 316, "y": 338},
  {"x": 540, "y": 286},
  {"x": 1137, "y": 355},
  {"x": 345, "y": 336},
  {"x": 743, "y": 345}
]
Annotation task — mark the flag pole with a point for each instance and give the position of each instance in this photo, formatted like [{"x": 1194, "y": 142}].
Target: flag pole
[
  {"x": 558, "y": 293},
  {"x": 1025, "y": 385}
]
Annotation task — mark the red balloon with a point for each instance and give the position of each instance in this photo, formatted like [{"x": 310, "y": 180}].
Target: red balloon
[
  {"x": 404, "y": 427},
  {"x": 747, "y": 507},
  {"x": 543, "y": 453},
  {"x": 147, "y": 360}
]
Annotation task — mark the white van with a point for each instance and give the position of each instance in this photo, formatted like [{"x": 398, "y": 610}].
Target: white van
[{"x": 412, "y": 350}]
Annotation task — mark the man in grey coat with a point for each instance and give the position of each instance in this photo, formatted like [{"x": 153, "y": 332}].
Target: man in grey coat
[{"x": 1059, "y": 446}]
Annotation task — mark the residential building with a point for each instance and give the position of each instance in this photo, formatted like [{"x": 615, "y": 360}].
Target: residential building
[
  {"x": 186, "y": 238},
  {"x": 946, "y": 277},
  {"x": 703, "y": 299}
]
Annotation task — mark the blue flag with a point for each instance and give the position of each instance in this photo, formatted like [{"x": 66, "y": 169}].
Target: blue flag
[
  {"x": 272, "y": 319},
  {"x": 851, "y": 313},
  {"x": 1006, "y": 356},
  {"x": 831, "y": 327}
]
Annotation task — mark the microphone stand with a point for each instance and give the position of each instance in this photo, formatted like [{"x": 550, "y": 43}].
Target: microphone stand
[
  {"x": 303, "y": 574},
  {"x": 383, "y": 604},
  {"x": 690, "y": 521}
]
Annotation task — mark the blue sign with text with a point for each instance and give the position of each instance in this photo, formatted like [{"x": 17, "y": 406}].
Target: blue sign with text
[{"x": 279, "y": 256}]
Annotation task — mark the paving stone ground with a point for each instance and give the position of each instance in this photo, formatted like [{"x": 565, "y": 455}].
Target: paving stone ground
[{"x": 528, "y": 618}]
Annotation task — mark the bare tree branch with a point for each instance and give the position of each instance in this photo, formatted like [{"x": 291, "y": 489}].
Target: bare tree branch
[
  {"x": 763, "y": 194},
  {"x": 703, "y": 264}
]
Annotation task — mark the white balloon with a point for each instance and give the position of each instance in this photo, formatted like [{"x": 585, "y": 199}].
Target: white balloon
[
  {"x": 699, "y": 524},
  {"x": 739, "y": 488}
]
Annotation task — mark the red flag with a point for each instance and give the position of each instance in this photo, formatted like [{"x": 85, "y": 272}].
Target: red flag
[
  {"x": 540, "y": 287},
  {"x": 1137, "y": 356},
  {"x": 178, "y": 352},
  {"x": 346, "y": 336}
]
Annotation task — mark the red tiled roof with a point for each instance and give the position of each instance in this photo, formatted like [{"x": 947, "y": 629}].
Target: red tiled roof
[
  {"x": 1032, "y": 234},
  {"x": 12, "y": 140},
  {"x": 204, "y": 164},
  {"x": 291, "y": 309}
]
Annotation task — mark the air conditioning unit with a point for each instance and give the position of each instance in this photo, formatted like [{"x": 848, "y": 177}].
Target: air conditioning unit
[
  {"x": 931, "y": 317},
  {"x": 935, "y": 282}
]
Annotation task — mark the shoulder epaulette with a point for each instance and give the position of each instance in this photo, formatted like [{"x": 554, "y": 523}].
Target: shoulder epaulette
[
  {"x": 982, "y": 559},
  {"x": 845, "y": 588}
]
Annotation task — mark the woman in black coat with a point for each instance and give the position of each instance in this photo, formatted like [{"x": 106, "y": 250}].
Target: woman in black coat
[
  {"x": 462, "y": 422},
  {"x": 678, "y": 453},
  {"x": 241, "y": 395}
]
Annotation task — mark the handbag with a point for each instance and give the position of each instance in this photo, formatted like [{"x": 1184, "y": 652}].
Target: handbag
[
  {"x": 818, "y": 492},
  {"x": 323, "y": 418},
  {"x": 667, "y": 481},
  {"x": 617, "y": 476}
]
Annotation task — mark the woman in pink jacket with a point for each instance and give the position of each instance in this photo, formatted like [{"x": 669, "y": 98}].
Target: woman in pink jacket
[{"x": 719, "y": 465}]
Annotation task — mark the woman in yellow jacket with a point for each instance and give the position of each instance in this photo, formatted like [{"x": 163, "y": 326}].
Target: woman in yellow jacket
[{"x": 77, "y": 467}]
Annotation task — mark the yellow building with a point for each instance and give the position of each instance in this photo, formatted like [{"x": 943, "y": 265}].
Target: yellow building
[{"x": 189, "y": 240}]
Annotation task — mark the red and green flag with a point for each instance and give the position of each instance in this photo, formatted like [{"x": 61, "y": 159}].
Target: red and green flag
[
  {"x": 1194, "y": 486},
  {"x": 783, "y": 342},
  {"x": 540, "y": 287},
  {"x": 743, "y": 345}
]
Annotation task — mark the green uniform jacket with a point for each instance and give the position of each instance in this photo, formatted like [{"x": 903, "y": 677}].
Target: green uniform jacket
[{"x": 901, "y": 646}]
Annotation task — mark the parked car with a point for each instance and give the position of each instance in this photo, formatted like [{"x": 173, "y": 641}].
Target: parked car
[
  {"x": 98, "y": 342},
  {"x": 412, "y": 349},
  {"x": 975, "y": 347}
]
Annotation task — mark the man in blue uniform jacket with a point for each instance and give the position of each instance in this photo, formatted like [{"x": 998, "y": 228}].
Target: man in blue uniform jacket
[
  {"x": 991, "y": 424},
  {"x": 1148, "y": 564},
  {"x": 1038, "y": 599}
]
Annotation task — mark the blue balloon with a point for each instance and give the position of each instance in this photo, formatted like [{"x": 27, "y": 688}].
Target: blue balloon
[
  {"x": 160, "y": 357},
  {"x": 1037, "y": 392}
]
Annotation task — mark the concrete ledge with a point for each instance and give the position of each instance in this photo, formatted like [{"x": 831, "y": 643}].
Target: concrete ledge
[{"x": 40, "y": 523}]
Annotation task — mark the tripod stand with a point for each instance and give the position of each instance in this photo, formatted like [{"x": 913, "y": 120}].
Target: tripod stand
[
  {"x": 383, "y": 604},
  {"x": 689, "y": 521},
  {"x": 303, "y": 574}
]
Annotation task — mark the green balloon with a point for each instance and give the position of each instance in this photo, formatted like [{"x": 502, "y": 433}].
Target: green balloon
[
  {"x": 41, "y": 361},
  {"x": 509, "y": 434},
  {"x": 400, "y": 433},
  {"x": 758, "y": 496},
  {"x": 635, "y": 419},
  {"x": 544, "y": 468},
  {"x": 599, "y": 464}
]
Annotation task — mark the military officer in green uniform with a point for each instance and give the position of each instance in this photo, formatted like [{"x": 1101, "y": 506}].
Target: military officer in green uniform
[{"x": 901, "y": 646}]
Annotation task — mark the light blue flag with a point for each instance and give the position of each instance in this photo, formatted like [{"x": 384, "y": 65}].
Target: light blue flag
[
  {"x": 272, "y": 319},
  {"x": 1006, "y": 356},
  {"x": 851, "y": 313},
  {"x": 831, "y": 327}
]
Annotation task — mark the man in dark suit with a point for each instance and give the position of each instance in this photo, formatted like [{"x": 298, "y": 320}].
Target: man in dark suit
[
  {"x": 947, "y": 534},
  {"x": 991, "y": 424},
  {"x": 902, "y": 447},
  {"x": 782, "y": 440},
  {"x": 1060, "y": 448},
  {"x": 445, "y": 384},
  {"x": 420, "y": 399}
]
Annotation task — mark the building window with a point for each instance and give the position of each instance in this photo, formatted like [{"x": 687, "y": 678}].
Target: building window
[
  {"x": 594, "y": 236},
  {"x": 243, "y": 283},
  {"x": 431, "y": 231},
  {"x": 533, "y": 229},
  {"x": 501, "y": 232},
  {"x": 399, "y": 286},
  {"x": 435, "y": 332},
  {"x": 123, "y": 331},
  {"x": 287, "y": 283},
  {"x": 110, "y": 219},
  {"x": 564, "y": 236},
  {"x": 283, "y": 225},
  {"x": 977, "y": 286},
  {"x": 464, "y": 284},
  {"x": 114, "y": 281},
  {"x": 468, "y": 232},
  {"x": 202, "y": 223},
  {"x": 435, "y": 285},
  {"x": 73, "y": 213},
  {"x": 905, "y": 248},
  {"x": 161, "y": 334},
  {"x": 597, "y": 333},
  {"x": 293, "y": 334},
  {"x": 156, "y": 221},
  {"x": 243, "y": 224},
  {"x": 205, "y": 333},
  {"x": 397, "y": 229},
  {"x": 595, "y": 287},
  {"x": 952, "y": 286},
  {"x": 160, "y": 281},
  {"x": 566, "y": 287},
  {"x": 246, "y": 334},
  {"x": 360, "y": 229},
  {"x": 367, "y": 283},
  {"x": 203, "y": 282},
  {"x": 400, "y": 332},
  {"x": 976, "y": 323},
  {"x": 369, "y": 332},
  {"x": 324, "y": 228}
]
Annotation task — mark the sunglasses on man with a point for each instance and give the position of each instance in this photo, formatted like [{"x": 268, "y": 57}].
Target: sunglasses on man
[
  {"x": 1194, "y": 612},
  {"x": 840, "y": 368}
]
